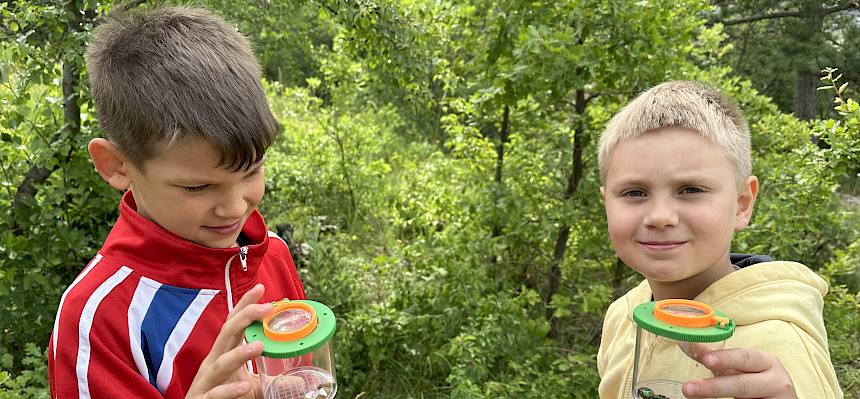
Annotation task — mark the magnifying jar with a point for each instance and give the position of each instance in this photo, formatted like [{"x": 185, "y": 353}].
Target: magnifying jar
[
  {"x": 297, "y": 360},
  {"x": 670, "y": 335}
]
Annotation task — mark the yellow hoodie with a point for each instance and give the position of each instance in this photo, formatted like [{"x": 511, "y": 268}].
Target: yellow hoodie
[{"x": 777, "y": 308}]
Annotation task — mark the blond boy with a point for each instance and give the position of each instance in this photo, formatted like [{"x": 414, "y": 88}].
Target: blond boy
[{"x": 677, "y": 180}]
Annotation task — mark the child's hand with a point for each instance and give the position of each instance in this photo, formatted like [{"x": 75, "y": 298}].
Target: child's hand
[
  {"x": 744, "y": 373},
  {"x": 223, "y": 375}
]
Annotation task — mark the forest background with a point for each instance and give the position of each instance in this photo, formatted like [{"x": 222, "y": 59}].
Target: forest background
[{"x": 437, "y": 175}]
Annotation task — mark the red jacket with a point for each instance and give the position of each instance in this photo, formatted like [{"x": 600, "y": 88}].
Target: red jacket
[{"x": 139, "y": 319}]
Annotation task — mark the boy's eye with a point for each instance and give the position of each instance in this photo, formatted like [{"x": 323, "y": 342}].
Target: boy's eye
[
  {"x": 195, "y": 189},
  {"x": 254, "y": 172},
  {"x": 692, "y": 190},
  {"x": 633, "y": 193}
]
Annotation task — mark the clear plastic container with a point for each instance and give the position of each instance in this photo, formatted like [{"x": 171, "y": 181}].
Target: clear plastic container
[
  {"x": 297, "y": 360},
  {"x": 670, "y": 335}
]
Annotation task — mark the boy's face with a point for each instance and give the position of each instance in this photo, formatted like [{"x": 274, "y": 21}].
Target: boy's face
[
  {"x": 672, "y": 206},
  {"x": 186, "y": 192}
]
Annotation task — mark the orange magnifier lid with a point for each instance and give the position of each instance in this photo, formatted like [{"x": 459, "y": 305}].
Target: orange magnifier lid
[
  {"x": 290, "y": 321},
  {"x": 687, "y": 313}
]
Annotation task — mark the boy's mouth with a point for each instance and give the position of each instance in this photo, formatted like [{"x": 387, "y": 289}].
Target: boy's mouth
[
  {"x": 225, "y": 229},
  {"x": 661, "y": 245}
]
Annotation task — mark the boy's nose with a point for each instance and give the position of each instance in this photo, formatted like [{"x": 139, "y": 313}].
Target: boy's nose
[
  {"x": 661, "y": 215},
  {"x": 232, "y": 207}
]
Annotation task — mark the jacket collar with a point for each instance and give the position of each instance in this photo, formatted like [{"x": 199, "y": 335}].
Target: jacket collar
[{"x": 160, "y": 255}]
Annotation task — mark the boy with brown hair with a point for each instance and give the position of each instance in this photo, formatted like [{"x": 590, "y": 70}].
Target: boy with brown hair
[
  {"x": 675, "y": 164},
  {"x": 160, "y": 310}
]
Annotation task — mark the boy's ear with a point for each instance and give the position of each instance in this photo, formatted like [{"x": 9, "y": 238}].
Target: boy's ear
[
  {"x": 110, "y": 163},
  {"x": 602, "y": 193},
  {"x": 746, "y": 199}
]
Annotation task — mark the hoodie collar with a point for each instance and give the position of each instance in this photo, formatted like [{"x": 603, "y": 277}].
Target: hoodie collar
[
  {"x": 743, "y": 260},
  {"x": 160, "y": 255}
]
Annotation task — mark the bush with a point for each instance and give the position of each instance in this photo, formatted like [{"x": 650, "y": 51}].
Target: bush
[{"x": 31, "y": 382}]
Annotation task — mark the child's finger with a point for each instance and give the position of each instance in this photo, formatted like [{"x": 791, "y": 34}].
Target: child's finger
[
  {"x": 230, "y": 335},
  {"x": 740, "y": 359},
  {"x": 736, "y": 386},
  {"x": 745, "y": 373},
  {"x": 758, "y": 385},
  {"x": 251, "y": 297},
  {"x": 224, "y": 366},
  {"x": 245, "y": 312},
  {"x": 231, "y": 332}
]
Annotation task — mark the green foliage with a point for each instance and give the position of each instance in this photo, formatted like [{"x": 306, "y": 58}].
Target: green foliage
[
  {"x": 796, "y": 198},
  {"x": 32, "y": 382},
  {"x": 45, "y": 237},
  {"x": 287, "y": 35},
  {"x": 840, "y": 311},
  {"x": 424, "y": 172}
]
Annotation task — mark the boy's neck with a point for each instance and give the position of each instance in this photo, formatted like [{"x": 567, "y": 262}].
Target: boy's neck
[{"x": 690, "y": 288}]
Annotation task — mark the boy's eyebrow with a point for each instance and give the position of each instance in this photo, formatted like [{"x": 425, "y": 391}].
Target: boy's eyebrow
[
  {"x": 626, "y": 181},
  {"x": 187, "y": 180},
  {"x": 684, "y": 178}
]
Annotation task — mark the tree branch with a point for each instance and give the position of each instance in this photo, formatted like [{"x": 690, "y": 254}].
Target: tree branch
[
  {"x": 760, "y": 17},
  {"x": 35, "y": 176},
  {"x": 853, "y": 4},
  {"x": 8, "y": 178}
]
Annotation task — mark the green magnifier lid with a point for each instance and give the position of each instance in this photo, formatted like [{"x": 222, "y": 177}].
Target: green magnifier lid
[
  {"x": 684, "y": 320},
  {"x": 293, "y": 318}
]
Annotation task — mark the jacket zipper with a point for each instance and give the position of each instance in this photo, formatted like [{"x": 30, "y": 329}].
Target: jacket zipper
[{"x": 243, "y": 259}]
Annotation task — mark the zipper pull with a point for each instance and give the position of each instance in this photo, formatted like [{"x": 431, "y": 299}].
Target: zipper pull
[{"x": 243, "y": 257}]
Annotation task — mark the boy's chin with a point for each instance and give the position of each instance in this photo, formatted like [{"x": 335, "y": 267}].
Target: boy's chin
[
  {"x": 225, "y": 244},
  {"x": 228, "y": 242}
]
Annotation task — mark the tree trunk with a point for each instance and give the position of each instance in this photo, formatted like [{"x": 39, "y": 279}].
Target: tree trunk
[
  {"x": 805, "y": 89},
  {"x": 504, "y": 137},
  {"x": 37, "y": 174},
  {"x": 575, "y": 175},
  {"x": 334, "y": 130},
  {"x": 806, "y": 75},
  {"x": 71, "y": 75}
]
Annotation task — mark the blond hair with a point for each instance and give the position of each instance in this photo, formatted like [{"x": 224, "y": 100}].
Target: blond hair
[{"x": 682, "y": 104}]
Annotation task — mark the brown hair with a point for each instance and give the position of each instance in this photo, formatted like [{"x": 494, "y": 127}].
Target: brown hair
[
  {"x": 685, "y": 104},
  {"x": 176, "y": 72}
]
